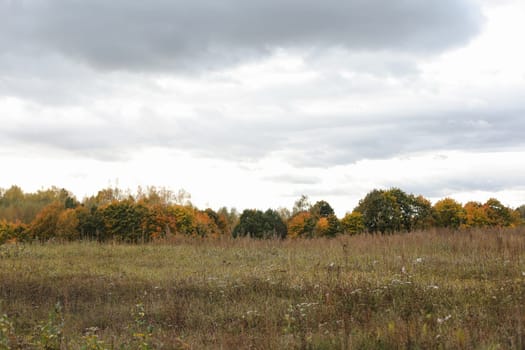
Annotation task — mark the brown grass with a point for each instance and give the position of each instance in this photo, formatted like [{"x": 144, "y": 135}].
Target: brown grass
[{"x": 438, "y": 289}]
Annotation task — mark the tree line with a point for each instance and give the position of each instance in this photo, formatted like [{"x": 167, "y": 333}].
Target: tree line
[{"x": 149, "y": 214}]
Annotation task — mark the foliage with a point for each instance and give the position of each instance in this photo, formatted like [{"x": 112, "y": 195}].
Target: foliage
[
  {"x": 448, "y": 213},
  {"x": 381, "y": 213},
  {"x": 352, "y": 223},
  {"x": 45, "y": 225},
  {"x": 7, "y": 333},
  {"x": 158, "y": 213},
  {"x": 322, "y": 209},
  {"x": 12, "y": 231},
  {"x": 49, "y": 334},
  {"x": 257, "y": 224},
  {"x": 17, "y": 206},
  {"x": 301, "y": 225}
]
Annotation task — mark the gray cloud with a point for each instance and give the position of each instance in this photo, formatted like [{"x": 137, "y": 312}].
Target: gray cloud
[
  {"x": 319, "y": 142},
  {"x": 205, "y": 34}
]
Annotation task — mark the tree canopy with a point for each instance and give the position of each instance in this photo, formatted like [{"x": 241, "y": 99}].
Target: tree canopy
[{"x": 157, "y": 213}]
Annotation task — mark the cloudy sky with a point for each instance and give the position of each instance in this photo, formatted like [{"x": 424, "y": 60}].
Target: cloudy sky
[{"x": 250, "y": 104}]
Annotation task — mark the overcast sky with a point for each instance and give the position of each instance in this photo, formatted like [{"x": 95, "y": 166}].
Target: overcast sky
[{"x": 250, "y": 104}]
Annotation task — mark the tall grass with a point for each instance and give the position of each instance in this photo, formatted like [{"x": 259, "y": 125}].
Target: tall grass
[{"x": 437, "y": 290}]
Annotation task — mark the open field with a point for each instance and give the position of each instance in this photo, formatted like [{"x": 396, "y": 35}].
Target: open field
[{"x": 436, "y": 290}]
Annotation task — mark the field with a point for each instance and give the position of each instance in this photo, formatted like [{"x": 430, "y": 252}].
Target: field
[{"x": 428, "y": 290}]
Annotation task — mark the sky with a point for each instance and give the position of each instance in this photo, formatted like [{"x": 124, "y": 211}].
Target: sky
[{"x": 251, "y": 104}]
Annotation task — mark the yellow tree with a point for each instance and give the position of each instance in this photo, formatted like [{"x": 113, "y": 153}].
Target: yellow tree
[
  {"x": 475, "y": 215},
  {"x": 353, "y": 223},
  {"x": 67, "y": 225},
  {"x": 448, "y": 213},
  {"x": 322, "y": 227}
]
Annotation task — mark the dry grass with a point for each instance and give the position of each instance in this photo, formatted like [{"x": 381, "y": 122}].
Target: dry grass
[{"x": 436, "y": 290}]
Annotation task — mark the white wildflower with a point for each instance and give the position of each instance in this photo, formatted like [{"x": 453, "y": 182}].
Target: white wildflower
[{"x": 445, "y": 319}]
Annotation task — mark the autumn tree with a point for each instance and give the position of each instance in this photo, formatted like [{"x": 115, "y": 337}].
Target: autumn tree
[
  {"x": 302, "y": 224},
  {"x": 352, "y": 223},
  {"x": 448, "y": 213},
  {"x": 498, "y": 215},
  {"x": 67, "y": 225},
  {"x": 15, "y": 205},
  {"x": 475, "y": 215},
  {"x": 45, "y": 225},
  {"x": 12, "y": 231}
]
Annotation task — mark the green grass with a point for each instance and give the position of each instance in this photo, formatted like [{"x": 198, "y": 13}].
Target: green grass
[{"x": 428, "y": 290}]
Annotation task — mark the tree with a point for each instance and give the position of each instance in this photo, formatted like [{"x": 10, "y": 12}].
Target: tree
[
  {"x": 44, "y": 226},
  {"x": 381, "y": 213},
  {"x": 220, "y": 221},
  {"x": 126, "y": 221},
  {"x": 12, "y": 231},
  {"x": 231, "y": 217},
  {"x": 276, "y": 228},
  {"x": 497, "y": 213},
  {"x": 185, "y": 221},
  {"x": 258, "y": 224},
  {"x": 322, "y": 209},
  {"x": 519, "y": 215},
  {"x": 300, "y": 205},
  {"x": 352, "y": 223},
  {"x": 521, "y": 211},
  {"x": 301, "y": 225},
  {"x": 67, "y": 225},
  {"x": 90, "y": 223},
  {"x": 475, "y": 215},
  {"x": 449, "y": 213},
  {"x": 421, "y": 213}
]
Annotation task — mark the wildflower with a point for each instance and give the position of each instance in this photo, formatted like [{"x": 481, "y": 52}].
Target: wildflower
[
  {"x": 445, "y": 319},
  {"x": 419, "y": 260}
]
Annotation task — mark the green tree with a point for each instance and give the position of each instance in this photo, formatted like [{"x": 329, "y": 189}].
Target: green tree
[
  {"x": 90, "y": 223},
  {"x": 126, "y": 221},
  {"x": 258, "y": 224},
  {"x": 322, "y": 209},
  {"x": 381, "y": 212},
  {"x": 421, "y": 213}
]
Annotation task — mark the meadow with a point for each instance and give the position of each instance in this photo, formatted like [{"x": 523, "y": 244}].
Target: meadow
[{"x": 422, "y": 290}]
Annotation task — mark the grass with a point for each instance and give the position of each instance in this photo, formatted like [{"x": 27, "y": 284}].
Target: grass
[{"x": 435, "y": 290}]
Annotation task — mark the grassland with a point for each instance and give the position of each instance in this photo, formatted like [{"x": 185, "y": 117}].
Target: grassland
[{"x": 428, "y": 290}]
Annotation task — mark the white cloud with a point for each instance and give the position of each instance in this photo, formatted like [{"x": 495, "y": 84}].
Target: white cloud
[{"x": 333, "y": 117}]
